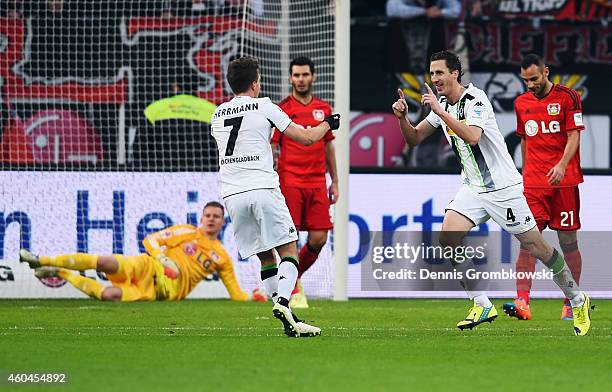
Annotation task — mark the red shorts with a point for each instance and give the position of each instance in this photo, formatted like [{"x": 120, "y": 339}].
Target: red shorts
[
  {"x": 309, "y": 207},
  {"x": 557, "y": 208}
]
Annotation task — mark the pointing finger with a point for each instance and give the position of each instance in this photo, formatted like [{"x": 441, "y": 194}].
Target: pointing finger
[
  {"x": 428, "y": 88},
  {"x": 400, "y": 92}
]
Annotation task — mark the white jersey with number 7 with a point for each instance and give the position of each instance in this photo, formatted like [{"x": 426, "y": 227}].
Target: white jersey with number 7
[{"x": 242, "y": 128}]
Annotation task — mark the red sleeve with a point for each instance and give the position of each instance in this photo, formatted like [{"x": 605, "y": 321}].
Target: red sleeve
[
  {"x": 573, "y": 112},
  {"x": 520, "y": 126},
  {"x": 276, "y": 135},
  {"x": 329, "y": 136}
]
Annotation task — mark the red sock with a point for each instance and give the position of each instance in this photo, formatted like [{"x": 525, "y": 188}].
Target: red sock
[
  {"x": 308, "y": 255},
  {"x": 524, "y": 263}
]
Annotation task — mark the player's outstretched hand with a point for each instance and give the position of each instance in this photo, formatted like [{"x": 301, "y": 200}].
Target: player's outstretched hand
[
  {"x": 400, "y": 107},
  {"x": 333, "y": 120},
  {"x": 429, "y": 98}
]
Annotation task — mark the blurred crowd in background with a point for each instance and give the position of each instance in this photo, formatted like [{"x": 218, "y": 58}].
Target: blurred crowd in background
[{"x": 83, "y": 71}]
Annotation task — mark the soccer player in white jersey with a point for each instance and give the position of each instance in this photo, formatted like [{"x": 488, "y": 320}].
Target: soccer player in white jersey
[
  {"x": 242, "y": 128},
  {"x": 492, "y": 187}
]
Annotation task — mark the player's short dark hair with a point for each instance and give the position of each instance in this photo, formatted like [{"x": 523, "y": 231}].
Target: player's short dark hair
[
  {"x": 302, "y": 60},
  {"x": 452, "y": 61},
  {"x": 532, "y": 59},
  {"x": 215, "y": 204},
  {"x": 241, "y": 73}
]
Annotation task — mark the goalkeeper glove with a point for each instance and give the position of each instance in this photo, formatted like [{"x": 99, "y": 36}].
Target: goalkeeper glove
[
  {"x": 333, "y": 121},
  {"x": 259, "y": 295},
  {"x": 171, "y": 270}
]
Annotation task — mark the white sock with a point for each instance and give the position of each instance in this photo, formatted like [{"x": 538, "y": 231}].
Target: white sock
[
  {"x": 469, "y": 285},
  {"x": 562, "y": 276},
  {"x": 287, "y": 275},
  {"x": 269, "y": 277},
  {"x": 480, "y": 298},
  {"x": 568, "y": 285}
]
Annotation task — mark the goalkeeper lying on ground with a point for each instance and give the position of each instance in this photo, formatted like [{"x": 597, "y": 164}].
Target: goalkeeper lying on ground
[{"x": 178, "y": 258}]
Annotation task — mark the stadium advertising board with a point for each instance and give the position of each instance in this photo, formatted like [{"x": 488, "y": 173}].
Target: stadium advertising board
[{"x": 112, "y": 212}]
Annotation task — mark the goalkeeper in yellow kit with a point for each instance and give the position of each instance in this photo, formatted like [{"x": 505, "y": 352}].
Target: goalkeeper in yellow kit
[{"x": 177, "y": 259}]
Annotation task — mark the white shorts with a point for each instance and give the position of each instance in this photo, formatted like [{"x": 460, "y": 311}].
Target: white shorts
[
  {"x": 261, "y": 220},
  {"x": 508, "y": 207}
]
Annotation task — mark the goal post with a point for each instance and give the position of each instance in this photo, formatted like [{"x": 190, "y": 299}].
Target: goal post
[{"x": 342, "y": 105}]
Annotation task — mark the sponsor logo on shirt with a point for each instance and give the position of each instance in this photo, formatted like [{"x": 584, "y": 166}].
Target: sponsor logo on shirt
[
  {"x": 190, "y": 248},
  {"x": 554, "y": 109},
  {"x": 578, "y": 119},
  {"x": 215, "y": 256},
  {"x": 531, "y": 128},
  {"x": 318, "y": 114}
]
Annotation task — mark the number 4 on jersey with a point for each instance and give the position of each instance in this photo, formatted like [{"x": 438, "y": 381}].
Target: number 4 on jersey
[{"x": 510, "y": 215}]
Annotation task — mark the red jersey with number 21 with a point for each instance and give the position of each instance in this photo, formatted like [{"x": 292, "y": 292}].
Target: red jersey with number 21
[
  {"x": 544, "y": 124},
  {"x": 303, "y": 166}
]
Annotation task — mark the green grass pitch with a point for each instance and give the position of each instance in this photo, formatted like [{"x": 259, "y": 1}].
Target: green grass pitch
[{"x": 369, "y": 345}]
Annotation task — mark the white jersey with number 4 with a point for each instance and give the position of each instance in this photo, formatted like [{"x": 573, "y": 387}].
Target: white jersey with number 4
[
  {"x": 242, "y": 128},
  {"x": 487, "y": 166}
]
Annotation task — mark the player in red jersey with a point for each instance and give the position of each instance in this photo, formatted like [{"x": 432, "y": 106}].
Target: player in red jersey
[
  {"x": 301, "y": 169},
  {"x": 549, "y": 122}
]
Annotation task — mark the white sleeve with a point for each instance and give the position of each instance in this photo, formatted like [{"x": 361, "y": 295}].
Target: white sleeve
[
  {"x": 433, "y": 119},
  {"x": 477, "y": 111},
  {"x": 275, "y": 115}
]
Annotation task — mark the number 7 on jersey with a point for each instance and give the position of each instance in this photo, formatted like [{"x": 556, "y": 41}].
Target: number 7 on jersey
[{"x": 235, "y": 123}]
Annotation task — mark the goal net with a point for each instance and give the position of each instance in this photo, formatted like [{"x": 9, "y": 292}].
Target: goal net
[{"x": 82, "y": 169}]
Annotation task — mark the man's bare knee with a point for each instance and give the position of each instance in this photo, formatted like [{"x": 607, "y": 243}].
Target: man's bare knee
[
  {"x": 568, "y": 241},
  {"x": 111, "y": 294},
  {"x": 317, "y": 239},
  {"x": 107, "y": 264},
  {"x": 288, "y": 250},
  {"x": 266, "y": 258}
]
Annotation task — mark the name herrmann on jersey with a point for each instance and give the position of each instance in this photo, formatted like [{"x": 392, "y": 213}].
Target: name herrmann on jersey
[{"x": 237, "y": 109}]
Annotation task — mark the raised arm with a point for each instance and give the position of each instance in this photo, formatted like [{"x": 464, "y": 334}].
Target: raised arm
[
  {"x": 412, "y": 135},
  {"x": 469, "y": 133},
  {"x": 312, "y": 135},
  {"x": 171, "y": 236}
]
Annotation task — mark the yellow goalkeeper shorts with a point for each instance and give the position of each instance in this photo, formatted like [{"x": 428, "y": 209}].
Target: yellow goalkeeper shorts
[{"x": 135, "y": 278}]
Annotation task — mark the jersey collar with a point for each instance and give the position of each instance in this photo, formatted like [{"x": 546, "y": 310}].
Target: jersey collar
[
  {"x": 312, "y": 98},
  {"x": 467, "y": 88}
]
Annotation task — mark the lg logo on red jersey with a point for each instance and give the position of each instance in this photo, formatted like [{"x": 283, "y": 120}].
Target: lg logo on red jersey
[{"x": 532, "y": 127}]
